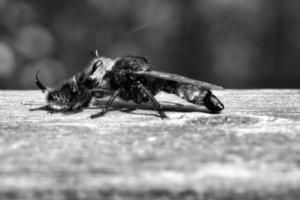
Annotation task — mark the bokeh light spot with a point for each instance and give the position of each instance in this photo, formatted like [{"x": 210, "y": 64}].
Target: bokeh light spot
[
  {"x": 34, "y": 41},
  {"x": 7, "y": 60}
]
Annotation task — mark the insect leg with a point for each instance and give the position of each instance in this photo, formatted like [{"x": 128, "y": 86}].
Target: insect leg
[
  {"x": 99, "y": 92},
  {"x": 52, "y": 110},
  {"x": 102, "y": 90},
  {"x": 46, "y": 107},
  {"x": 156, "y": 104},
  {"x": 107, "y": 105}
]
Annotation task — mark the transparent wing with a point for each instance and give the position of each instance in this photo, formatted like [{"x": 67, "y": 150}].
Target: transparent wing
[{"x": 177, "y": 78}]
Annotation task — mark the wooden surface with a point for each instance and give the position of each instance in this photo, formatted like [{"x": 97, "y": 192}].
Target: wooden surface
[{"x": 249, "y": 151}]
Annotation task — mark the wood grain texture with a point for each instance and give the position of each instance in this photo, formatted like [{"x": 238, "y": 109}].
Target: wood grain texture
[{"x": 249, "y": 151}]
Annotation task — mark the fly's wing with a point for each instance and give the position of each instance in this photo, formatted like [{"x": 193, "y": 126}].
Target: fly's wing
[{"x": 177, "y": 78}]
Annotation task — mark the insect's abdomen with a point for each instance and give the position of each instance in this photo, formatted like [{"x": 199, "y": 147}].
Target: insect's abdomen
[{"x": 195, "y": 95}]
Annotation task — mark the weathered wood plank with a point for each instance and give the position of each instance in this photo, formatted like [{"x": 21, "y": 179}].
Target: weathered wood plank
[{"x": 249, "y": 151}]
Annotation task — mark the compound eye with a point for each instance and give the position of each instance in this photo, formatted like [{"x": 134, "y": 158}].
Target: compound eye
[{"x": 96, "y": 65}]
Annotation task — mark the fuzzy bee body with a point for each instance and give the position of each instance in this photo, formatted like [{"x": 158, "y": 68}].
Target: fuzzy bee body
[{"x": 129, "y": 78}]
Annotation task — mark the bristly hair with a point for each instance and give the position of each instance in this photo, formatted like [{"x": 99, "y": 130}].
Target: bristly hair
[{"x": 95, "y": 53}]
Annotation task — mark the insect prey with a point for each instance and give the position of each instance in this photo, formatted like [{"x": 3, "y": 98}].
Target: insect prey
[{"x": 130, "y": 78}]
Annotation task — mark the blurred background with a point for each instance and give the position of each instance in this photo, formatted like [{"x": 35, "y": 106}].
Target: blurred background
[{"x": 233, "y": 43}]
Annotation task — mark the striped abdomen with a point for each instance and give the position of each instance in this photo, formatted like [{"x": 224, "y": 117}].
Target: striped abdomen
[{"x": 194, "y": 94}]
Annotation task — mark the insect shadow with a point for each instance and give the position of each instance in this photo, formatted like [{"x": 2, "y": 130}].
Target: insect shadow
[{"x": 128, "y": 107}]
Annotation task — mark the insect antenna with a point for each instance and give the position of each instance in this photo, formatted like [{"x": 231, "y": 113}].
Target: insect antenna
[{"x": 39, "y": 83}]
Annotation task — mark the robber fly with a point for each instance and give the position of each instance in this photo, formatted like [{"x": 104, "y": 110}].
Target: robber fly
[{"x": 129, "y": 78}]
